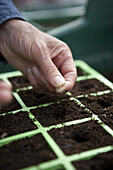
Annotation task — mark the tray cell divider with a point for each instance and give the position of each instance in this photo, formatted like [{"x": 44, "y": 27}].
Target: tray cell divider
[
  {"x": 10, "y": 139},
  {"x": 45, "y": 165},
  {"x": 24, "y": 88},
  {"x": 74, "y": 122},
  {"x": 10, "y": 74},
  {"x": 49, "y": 164},
  {"x": 89, "y": 154},
  {"x": 80, "y": 78},
  {"x": 11, "y": 112},
  {"x": 95, "y": 94}
]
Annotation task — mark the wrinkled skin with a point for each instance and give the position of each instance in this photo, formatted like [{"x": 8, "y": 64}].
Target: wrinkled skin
[{"x": 45, "y": 60}]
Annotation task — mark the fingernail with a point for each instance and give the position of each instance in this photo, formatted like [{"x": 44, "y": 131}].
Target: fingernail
[{"x": 59, "y": 81}]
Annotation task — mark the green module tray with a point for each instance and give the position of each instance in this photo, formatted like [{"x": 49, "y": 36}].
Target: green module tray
[{"x": 64, "y": 131}]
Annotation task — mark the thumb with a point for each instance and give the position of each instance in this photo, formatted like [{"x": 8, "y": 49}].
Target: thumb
[{"x": 53, "y": 76}]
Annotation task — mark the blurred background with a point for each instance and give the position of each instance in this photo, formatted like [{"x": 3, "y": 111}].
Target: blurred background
[
  {"x": 49, "y": 14},
  {"x": 85, "y": 25}
]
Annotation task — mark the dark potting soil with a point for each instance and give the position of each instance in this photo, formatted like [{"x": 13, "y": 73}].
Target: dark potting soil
[
  {"x": 103, "y": 107},
  {"x": 31, "y": 98},
  {"x": 82, "y": 137},
  {"x": 88, "y": 86},
  {"x": 80, "y": 72},
  {"x": 71, "y": 139},
  {"x": 108, "y": 75},
  {"x": 102, "y": 103},
  {"x": 24, "y": 153},
  {"x": 102, "y": 161},
  {"x": 19, "y": 81},
  {"x": 12, "y": 124},
  {"x": 108, "y": 120},
  {"x": 13, "y": 105},
  {"x": 59, "y": 113}
]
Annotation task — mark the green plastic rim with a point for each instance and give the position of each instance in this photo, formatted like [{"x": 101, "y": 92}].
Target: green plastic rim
[{"x": 62, "y": 159}]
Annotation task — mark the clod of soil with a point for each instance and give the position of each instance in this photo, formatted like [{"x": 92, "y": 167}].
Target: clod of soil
[
  {"x": 88, "y": 86},
  {"x": 102, "y": 161},
  {"x": 31, "y": 98},
  {"x": 59, "y": 113},
  {"x": 25, "y": 152},
  {"x": 12, "y": 124},
  {"x": 81, "y": 137}
]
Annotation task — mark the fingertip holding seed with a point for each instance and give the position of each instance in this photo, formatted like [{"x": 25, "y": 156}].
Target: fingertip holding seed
[
  {"x": 67, "y": 86},
  {"x": 61, "y": 89},
  {"x": 58, "y": 81}
]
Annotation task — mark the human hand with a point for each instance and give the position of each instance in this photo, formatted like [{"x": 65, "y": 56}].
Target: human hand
[
  {"x": 5, "y": 93},
  {"x": 45, "y": 60}
]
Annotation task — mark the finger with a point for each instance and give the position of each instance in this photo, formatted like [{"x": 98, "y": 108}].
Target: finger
[
  {"x": 31, "y": 78},
  {"x": 37, "y": 76},
  {"x": 48, "y": 69},
  {"x": 33, "y": 82},
  {"x": 5, "y": 86},
  {"x": 67, "y": 68},
  {"x": 5, "y": 96},
  {"x": 5, "y": 93},
  {"x": 70, "y": 78},
  {"x": 42, "y": 82}
]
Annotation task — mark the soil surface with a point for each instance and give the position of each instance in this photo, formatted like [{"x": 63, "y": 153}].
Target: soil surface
[
  {"x": 108, "y": 120},
  {"x": 31, "y": 98},
  {"x": 109, "y": 75},
  {"x": 12, "y": 124},
  {"x": 13, "y": 105},
  {"x": 24, "y": 153},
  {"x": 100, "y": 162},
  {"x": 59, "y": 113},
  {"x": 103, "y": 107},
  {"x": 88, "y": 86},
  {"x": 81, "y": 72},
  {"x": 82, "y": 137},
  {"x": 19, "y": 81}
]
